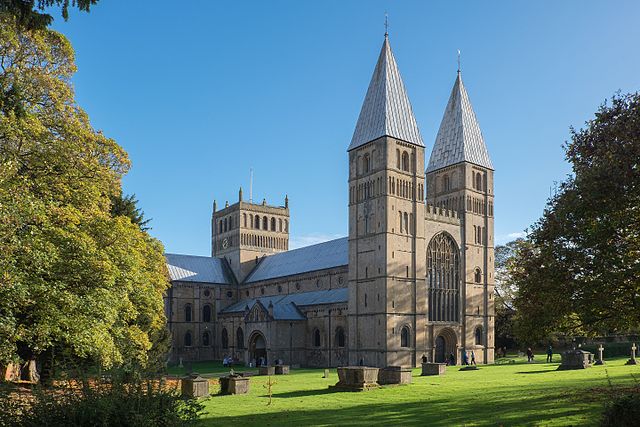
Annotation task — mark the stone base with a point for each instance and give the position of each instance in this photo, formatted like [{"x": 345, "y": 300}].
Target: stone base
[
  {"x": 267, "y": 370},
  {"x": 631, "y": 362},
  {"x": 282, "y": 369},
  {"x": 357, "y": 378},
  {"x": 394, "y": 375},
  {"x": 194, "y": 386},
  {"x": 234, "y": 385},
  {"x": 575, "y": 359},
  {"x": 433, "y": 369}
]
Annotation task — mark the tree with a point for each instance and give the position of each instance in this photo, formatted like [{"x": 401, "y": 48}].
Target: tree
[
  {"x": 581, "y": 272},
  {"x": 77, "y": 281},
  {"x": 505, "y": 292},
  {"x": 127, "y": 206},
  {"x": 30, "y": 15}
]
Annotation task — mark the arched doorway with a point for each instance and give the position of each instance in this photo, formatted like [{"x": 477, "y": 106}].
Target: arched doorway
[
  {"x": 440, "y": 349},
  {"x": 445, "y": 345},
  {"x": 258, "y": 349}
]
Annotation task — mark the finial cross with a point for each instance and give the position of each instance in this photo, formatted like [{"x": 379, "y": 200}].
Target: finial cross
[{"x": 386, "y": 24}]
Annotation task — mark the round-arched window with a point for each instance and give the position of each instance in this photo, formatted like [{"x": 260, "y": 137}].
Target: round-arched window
[
  {"x": 316, "y": 338},
  {"x": 239, "y": 338},
  {"x": 340, "y": 338},
  {"x": 405, "y": 337},
  {"x": 188, "y": 313},
  {"x": 187, "y": 339},
  {"x": 477, "y": 275},
  {"x": 206, "y": 340},
  {"x": 478, "y": 336},
  {"x": 206, "y": 313},
  {"x": 225, "y": 338}
]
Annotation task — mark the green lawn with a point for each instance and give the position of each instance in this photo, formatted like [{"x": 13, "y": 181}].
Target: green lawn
[{"x": 511, "y": 394}]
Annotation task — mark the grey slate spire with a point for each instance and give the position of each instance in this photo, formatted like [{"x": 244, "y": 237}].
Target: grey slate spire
[
  {"x": 459, "y": 137},
  {"x": 386, "y": 109}
]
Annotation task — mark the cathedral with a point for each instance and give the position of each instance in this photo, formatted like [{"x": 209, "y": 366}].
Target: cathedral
[{"x": 413, "y": 278}]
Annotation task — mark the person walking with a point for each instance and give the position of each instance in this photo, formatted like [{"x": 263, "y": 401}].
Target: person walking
[
  {"x": 465, "y": 358},
  {"x": 550, "y": 354},
  {"x": 452, "y": 360},
  {"x": 473, "y": 358},
  {"x": 529, "y": 355}
]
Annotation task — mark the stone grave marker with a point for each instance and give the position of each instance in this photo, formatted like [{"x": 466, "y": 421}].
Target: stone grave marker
[
  {"x": 633, "y": 360},
  {"x": 600, "y": 360}
]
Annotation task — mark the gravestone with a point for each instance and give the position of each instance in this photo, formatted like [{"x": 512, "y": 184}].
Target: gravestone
[
  {"x": 394, "y": 375},
  {"x": 266, "y": 370},
  {"x": 195, "y": 386},
  {"x": 326, "y": 373},
  {"x": 282, "y": 370},
  {"x": 234, "y": 384},
  {"x": 576, "y": 359},
  {"x": 357, "y": 378},
  {"x": 600, "y": 360},
  {"x": 433, "y": 369},
  {"x": 633, "y": 360}
]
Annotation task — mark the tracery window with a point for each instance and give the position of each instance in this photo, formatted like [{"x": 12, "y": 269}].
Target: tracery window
[
  {"x": 405, "y": 161},
  {"x": 443, "y": 278}
]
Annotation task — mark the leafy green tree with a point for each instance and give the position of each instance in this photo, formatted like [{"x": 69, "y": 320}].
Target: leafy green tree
[
  {"x": 581, "y": 272},
  {"x": 505, "y": 292},
  {"x": 77, "y": 282},
  {"x": 30, "y": 14}
]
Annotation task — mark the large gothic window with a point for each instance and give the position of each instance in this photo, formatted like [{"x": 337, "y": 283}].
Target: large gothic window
[{"x": 443, "y": 279}]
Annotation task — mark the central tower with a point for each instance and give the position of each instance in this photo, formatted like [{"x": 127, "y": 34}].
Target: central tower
[{"x": 386, "y": 224}]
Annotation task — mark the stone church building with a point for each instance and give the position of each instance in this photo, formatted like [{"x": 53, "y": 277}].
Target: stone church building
[{"x": 414, "y": 276}]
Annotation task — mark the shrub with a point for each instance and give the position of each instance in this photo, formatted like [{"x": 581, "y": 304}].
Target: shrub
[
  {"x": 622, "y": 411},
  {"x": 104, "y": 403}
]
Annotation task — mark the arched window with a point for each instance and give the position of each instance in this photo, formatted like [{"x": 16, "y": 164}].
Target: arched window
[
  {"x": 225, "y": 338},
  {"x": 398, "y": 158},
  {"x": 478, "y": 335},
  {"x": 365, "y": 164},
  {"x": 273, "y": 224},
  {"x": 340, "y": 338},
  {"x": 220, "y": 226},
  {"x": 478, "y": 182},
  {"x": 265, "y": 223},
  {"x": 257, "y": 222},
  {"x": 446, "y": 183},
  {"x": 484, "y": 182},
  {"x": 206, "y": 339},
  {"x": 405, "y": 161},
  {"x": 239, "y": 338},
  {"x": 187, "y": 339},
  {"x": 226, "y": 225},
  {"x": 280, "y": 224},
  {"x": 206, "y": 313},
  {"x": 406, "y": 222},
  {"x": 413, "y": 162},
  {"x": 286, "y": 226},
  {"x": 404, "y": 337},
  {"x": 188, "y": 314},
  {"x": 316, "y": 338},
  {"x": 244, "y": 220},
  {"x": 443, "y": 278},
  {"x": 477, "y": 276}
]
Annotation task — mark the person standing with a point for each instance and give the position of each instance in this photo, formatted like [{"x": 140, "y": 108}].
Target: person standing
[
  {"x": 473, "y": 358},
  {"x": 550, "y": 354},
  {"x": 465, "y": 358},
  {"x": 529, "y": 355}
]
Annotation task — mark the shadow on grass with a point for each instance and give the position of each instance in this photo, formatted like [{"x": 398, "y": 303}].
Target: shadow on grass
[
  {"x": 437, "y": 412},
  {"x": 305, "y": 393},
  {"x": 536, "y": 372}
]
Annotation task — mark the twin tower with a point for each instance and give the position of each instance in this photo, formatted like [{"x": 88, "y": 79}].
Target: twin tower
[{"x": 421, "y": 272}]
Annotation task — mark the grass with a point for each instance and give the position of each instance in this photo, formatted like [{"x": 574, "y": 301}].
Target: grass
[{"x": 509, "y": 394}]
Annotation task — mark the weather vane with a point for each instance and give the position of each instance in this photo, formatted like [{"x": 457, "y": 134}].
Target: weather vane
[{"x": 386, "y": 24}]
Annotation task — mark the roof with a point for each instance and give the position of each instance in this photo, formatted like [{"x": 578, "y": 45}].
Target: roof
[
  {"x": 459, "y": 137},
  {"x": 334, "y": 253},
  {"x": 285, "y": 307},
  {"x": 201, "y": 269},
  {"x": 386, "y": 109}
]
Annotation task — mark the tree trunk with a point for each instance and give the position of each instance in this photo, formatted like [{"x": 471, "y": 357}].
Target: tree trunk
[{"x": 29, "y": 372}]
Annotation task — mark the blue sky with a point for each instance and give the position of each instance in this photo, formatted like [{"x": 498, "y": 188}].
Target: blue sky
[{"x": 200, "y": 92}]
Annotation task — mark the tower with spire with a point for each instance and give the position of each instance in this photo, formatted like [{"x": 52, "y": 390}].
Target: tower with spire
[
  {"x": 460, "y": 180},
  {"x": 386, "y": 224}
]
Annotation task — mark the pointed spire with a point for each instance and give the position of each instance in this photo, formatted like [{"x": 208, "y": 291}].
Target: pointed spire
[
  {"x": 459, "y": 137},
  {"x": 386, "y": 109}
]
